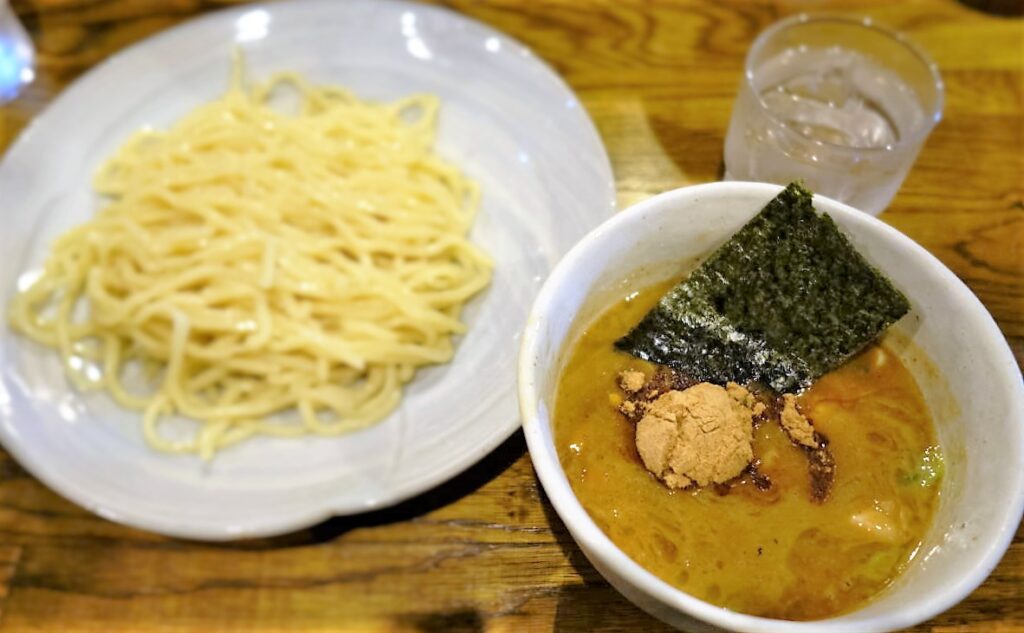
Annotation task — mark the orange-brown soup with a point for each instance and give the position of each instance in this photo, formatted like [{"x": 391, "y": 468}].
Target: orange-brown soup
[{"x": 772, "y": 553}]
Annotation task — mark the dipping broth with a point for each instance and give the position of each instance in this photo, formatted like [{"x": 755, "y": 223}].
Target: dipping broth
[{"x": 772, "y": 553}]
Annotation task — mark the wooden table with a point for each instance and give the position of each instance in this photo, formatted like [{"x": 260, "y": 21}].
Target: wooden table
[{"x": 486, "y": 551}]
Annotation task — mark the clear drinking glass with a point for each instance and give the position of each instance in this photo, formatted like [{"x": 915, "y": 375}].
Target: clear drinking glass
[{"x": 840, "y": 103}]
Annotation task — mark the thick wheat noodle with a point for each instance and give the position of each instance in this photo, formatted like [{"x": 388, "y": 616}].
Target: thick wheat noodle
[{"x": 252, "y": 260}]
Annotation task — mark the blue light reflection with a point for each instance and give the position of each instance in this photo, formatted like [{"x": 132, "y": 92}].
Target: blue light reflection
[
  {"x": 15, "y": 67},
  {"x": 16, "y": 54}
]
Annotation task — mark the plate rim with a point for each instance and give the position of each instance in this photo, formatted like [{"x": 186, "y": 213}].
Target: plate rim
[{"x": 271, "y": 524}]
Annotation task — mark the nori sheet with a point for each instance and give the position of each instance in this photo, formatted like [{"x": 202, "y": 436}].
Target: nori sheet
[{"x": 784, "y": 301}]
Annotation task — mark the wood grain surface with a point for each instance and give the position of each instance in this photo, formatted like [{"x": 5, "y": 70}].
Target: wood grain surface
[{"x": 486, "y": 551}]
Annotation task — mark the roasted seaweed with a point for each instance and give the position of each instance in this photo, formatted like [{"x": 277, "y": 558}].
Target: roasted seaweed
[{"x": 784, "y": 301}]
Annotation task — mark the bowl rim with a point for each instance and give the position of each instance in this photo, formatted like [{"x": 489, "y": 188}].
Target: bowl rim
[{"x": 595, "y": 543}]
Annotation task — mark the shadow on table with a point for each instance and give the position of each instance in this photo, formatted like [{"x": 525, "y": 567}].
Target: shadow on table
[
  {"x": 1005, "y": 8},
  {"x": 696, "y": 152},
  {"x": 594, "y": 605},
  {"x": 495, "y": 463}
]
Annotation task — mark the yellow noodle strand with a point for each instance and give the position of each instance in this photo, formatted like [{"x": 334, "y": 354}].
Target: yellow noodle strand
[{"x": 254, "y": 260}]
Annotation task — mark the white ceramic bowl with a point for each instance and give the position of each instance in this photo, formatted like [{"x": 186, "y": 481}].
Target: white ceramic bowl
[{"x": 969, "y": 378}]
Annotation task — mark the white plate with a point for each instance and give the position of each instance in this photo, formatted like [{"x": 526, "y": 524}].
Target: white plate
[{"x": 506, "y": 118}]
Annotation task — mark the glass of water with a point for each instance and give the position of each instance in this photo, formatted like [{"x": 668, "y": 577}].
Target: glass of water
[{"x": 841, "y": 103}]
